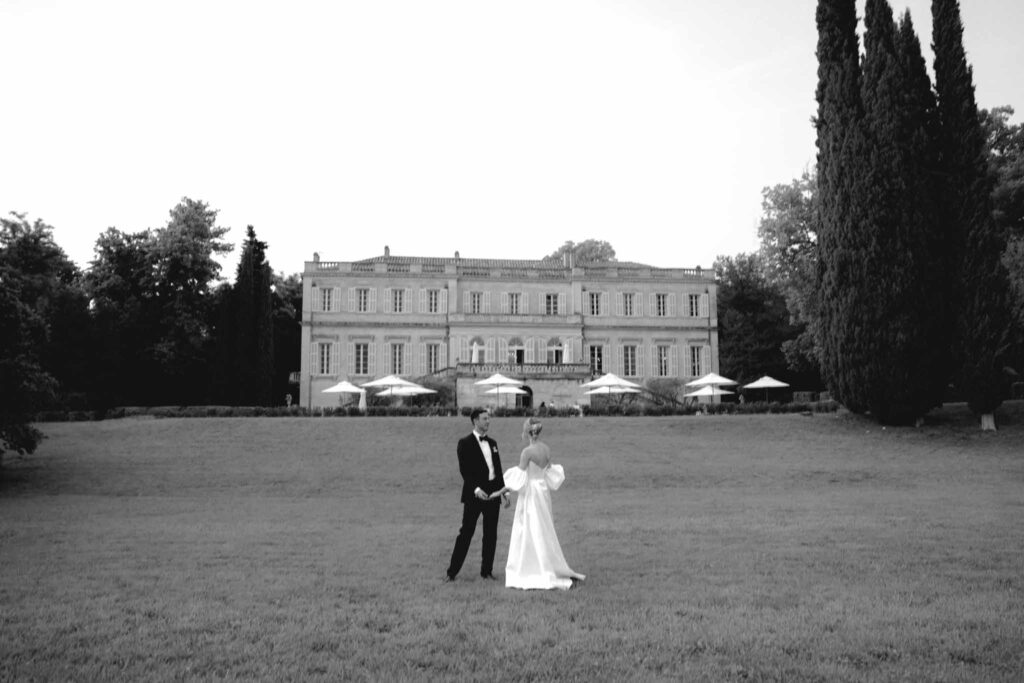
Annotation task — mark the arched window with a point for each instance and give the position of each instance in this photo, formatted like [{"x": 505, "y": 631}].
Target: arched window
[
  {"x": 516, "y": 351},
  {"x": 476, "y": 350}
]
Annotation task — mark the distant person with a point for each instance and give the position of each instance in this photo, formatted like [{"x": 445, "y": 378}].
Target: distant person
[
  {"x": 482, "y": 492},
  {"x": 535, "y": 558},
  {"x": 288, "y": 399}
]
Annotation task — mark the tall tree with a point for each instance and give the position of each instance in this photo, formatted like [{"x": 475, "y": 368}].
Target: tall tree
[
  {"x": 250, "y": 333},
  {"x": 981, "y": 291},
  {"x": 51, "y": 285},
  {"x": 587, "y": 251},
  {"x": 789, "y": 251},
  {"x": 753, "y": 320},
  {"x": 905, "y": 321},
  {"x": 842, "y": 279},
  {"x": 184, "y": 269},
  {"x": 26, "y": 386}
]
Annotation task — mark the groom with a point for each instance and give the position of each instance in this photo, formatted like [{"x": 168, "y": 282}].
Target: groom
[{"x": 480, "y": 467}]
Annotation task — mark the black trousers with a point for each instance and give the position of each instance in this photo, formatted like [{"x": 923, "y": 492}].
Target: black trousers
[{"x": 470, "y": 513}]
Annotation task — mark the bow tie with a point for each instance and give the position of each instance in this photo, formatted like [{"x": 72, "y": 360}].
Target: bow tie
[{"x": 480, "y": 438}]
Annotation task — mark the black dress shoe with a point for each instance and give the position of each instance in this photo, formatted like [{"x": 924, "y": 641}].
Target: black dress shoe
[{"x": 492, "y": 577}]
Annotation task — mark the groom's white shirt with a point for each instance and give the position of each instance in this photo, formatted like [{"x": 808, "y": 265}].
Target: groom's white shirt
[{"x": 485, "y": 448}]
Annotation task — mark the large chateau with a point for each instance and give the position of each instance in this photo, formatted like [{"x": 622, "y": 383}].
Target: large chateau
[{"x": 550, "y": 324}]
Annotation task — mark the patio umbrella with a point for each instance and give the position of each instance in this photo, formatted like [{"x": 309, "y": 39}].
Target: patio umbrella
[
  {"x": 710, "y": 379},
  {"x": 343, "y": 387},
  {"x": 346, "y": 387},
  {"x": 610, "y": 380},
  {"x": 406, "y": 391},
  {"x": 765, "y": 383},
  {"x": 708, "y": 390},
  {"x": 505, "y": 390},
  {"x": 612, "y": 390},
  {"x": 390, "y": 381},
  {"x": 500, "y": 380}
]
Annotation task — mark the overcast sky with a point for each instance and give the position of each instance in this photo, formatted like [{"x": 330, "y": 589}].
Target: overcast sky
[{"x": 498, "y": 129}]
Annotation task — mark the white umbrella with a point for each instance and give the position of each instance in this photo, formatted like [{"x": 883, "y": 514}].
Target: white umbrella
[
  {"x": 765, "y": 382},
  {"x": 613, "y": 390},
  {"x": 406, "y": 391},
  {"x": 391, "y": 381},
  {"x": 708, "y": 390},
  {"x": 343, "y": 387},
  {"x": 505, "y": 390},
  {"x": 710, "y": 379},
  {"x": 610, "y": 380},
  {"x": 498, "y": 379}
]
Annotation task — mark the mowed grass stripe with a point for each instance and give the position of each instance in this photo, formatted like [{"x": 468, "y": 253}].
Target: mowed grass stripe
[{"x": 774, "y": 547}]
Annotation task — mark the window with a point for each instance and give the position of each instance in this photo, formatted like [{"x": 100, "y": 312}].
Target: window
[
  {"x": 597, "y": 358},
  {"x": 433, "y": 358},
  {"x": 362, "y": 359},
  {"x": 554, "y": 355},
  {"x": 694, "y": 300},
  {"x": 398, "y": 300},
  {"x": 695, "y": 364},
  {"x": 663, "y": 361},
  {"x": 661, "y": 305},
  {"x": 433, "y": 301},
  {"x": 629, "y": 361},
  {"x": 476, "y": 302},
  {"x": 628, "y": 303},
  {"x": 550, "y": 304},
  {"x": 513, "y": 303},
  {"x": 362, "y": 300},
  {"x": 595, "y": 303},
  {"x": 322, "y": 361},
  {"x": 327, "y": 299},
  {"x": 397, "y": 358},
  {"x": 516, "y": 351}
]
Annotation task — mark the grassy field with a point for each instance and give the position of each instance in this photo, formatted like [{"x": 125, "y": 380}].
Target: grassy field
[{"x": 770, "y": 547}]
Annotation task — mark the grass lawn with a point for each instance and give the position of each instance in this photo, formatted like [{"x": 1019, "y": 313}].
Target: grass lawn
[{"x": 764, "y": 547}]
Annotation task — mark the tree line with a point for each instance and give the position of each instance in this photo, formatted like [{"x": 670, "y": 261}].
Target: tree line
[
  {"x": 900, "y": 257},
  {"x": 148, "y": 323}
]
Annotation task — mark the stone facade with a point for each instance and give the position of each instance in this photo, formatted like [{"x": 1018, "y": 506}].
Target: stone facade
[{"x": 553, "y": 325}]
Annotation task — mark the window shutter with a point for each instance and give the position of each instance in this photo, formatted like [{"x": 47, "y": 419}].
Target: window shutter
[
  {"x": 524, "y": 303},
  {"x": 464, "y": 350},
  {"x": 388, "y": 300},
  {"x": 604, "y": 303},
  {"x": 313, "y": 367},
  {"x": 530, "y": 356},
  {"x": 504, "y": 303},
  {"x": 442, "y": 360},
  {"x": 352, "y": 299},
  {"x": 567, "y": 352},
  {"x": 351, "y": 364},
  {"x": 314, "y": 299},
  {"x": 618, "y": 303},
  {"x": 705, "y": 360},
  {"x": 639, "y": 300},
  {"x": 487, "y": 302},
  {"x": 704, "y": 307},
  {"x": 620, "y": 361},
  {"x": 489, "y": 353},
  {"x": 371, "y": 350},
  {"x": 640, "y": 360},
  {"x": 373, "y": 300},
  {"x": 423, "y": 301},
  {"x": 672, "y": 304},
  {"x": 335, "y": 358},
  {"x": 407, "y": 300},
  {"x": 561, "y": 305},
  {"x": 652, "y": 307}
]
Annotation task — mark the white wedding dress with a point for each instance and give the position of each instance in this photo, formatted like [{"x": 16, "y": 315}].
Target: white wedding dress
[{"x": 535, "y": 559}]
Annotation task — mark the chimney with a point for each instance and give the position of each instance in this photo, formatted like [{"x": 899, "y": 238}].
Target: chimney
[{"x": 387, "y": 250}]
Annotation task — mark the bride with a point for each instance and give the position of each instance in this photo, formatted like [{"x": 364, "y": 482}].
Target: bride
[{"x": 535, "y": 558}]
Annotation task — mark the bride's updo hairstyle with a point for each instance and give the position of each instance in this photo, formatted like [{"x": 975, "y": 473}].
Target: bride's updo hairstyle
[{"x": 531, "y": 427}]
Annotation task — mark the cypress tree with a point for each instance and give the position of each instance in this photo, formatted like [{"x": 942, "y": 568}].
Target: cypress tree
[
  {"x": 980, "y": 292},
  {"x": 904, "y": 375},
  {"x": 252, "y": 331},
  {"x": 845, "y": 351}
]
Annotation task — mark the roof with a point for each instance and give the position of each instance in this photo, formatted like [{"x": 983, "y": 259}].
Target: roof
[{"x": 497, "y": 263}]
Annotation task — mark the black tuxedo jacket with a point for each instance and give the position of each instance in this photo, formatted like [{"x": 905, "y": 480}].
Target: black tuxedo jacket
[{"x": 473, "y": 467}]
